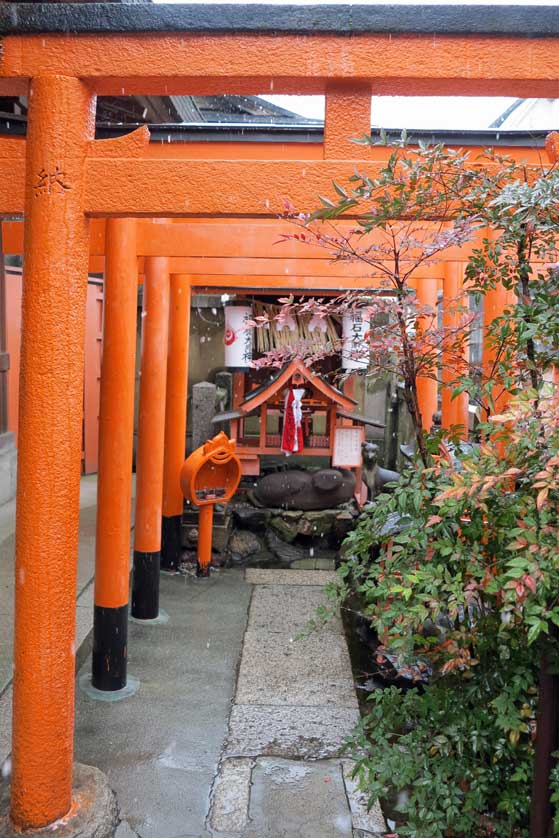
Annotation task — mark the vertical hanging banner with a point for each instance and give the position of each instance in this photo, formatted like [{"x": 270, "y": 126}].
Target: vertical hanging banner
[
  {"x": 292, "y": 437},
  {"x": 238, "y": 336},
  {"x": 355, "y": 325}
]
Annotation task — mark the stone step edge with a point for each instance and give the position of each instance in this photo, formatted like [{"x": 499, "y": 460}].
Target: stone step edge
[{"x": 264, "y": 576}]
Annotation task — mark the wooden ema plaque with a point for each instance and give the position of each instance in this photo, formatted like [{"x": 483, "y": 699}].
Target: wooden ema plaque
[{"x": 347, "y": 447}]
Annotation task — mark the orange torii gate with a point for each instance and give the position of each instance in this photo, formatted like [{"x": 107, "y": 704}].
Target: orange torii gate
[{"x": 60, "y": 178}]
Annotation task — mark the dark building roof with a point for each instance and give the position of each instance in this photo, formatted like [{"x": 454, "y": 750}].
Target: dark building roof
[
  {"x": 119, "y": 114},
  {"x": 235, "y": 109},
  {"x": 240, "y": 118},
  {"x": 114, "y": 120},
  {"x": 344, "y": 19}
]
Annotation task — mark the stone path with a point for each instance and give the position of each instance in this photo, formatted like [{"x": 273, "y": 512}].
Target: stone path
[
  {"x": 160, "y": 749},
  {"x": 236, "y": 729},
  {"x": 281, "y": 775}
]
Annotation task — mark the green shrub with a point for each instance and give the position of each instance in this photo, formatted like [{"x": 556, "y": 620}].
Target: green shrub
[
  {"x": 453, "y": 753},
  {"x": 478, "y": 562}
]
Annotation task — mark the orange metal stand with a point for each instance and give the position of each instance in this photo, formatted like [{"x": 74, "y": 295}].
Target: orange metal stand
[
  {"x": 50, "y": 428},
  {"x": 210, "y": 475},
  {"x": 205, "y": 527}
]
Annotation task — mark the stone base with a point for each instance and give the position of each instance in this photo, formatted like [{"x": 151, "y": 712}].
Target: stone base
[
  {"x": 8, "y": 467},
  {"x": 93, "y": 814}
]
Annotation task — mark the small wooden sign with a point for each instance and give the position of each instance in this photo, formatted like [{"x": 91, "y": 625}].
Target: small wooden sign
[{"x": 347, "y": 447}]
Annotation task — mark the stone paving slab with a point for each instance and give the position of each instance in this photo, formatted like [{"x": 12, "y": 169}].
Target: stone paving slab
[
  {"x": 281, "y": 773},
  {"x": 125, "y": 831},
  {"x": 369, "y": 822},
  {"x": 262, "y": 576},
  {"x": 231, "y": 796},
  {"x": 291, "y": 732},
  {"x": 293, "y": 798},
  {"x": 277, "y": 669},
  {"x": 270, "y": 797},
  {"x": 288, "y": 609}
]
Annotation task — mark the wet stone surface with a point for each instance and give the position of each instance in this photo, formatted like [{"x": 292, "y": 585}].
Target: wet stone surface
[
  {"x": 93, "y": 815},
  {"x": 242, "y": 544},
  {"x": 231, "y": 796},
  {"x": 291, "y": 552},
  {"x": 287, "y": 530},
  {"x": 311, "y": 563},
  {"x": 281, "y": 775},
  {"x": 365, "y": 822},
  {"x": 271, "y": 797},
  {"x": 283, "y": 537},
  {"x": 251, "y": 518},
  {"x": 263, "y": 576},
  {"x": 293, "y": 799},
  {"x": 124, "y": 830},
  {"x": 161, "y": 748},
  {"x": 278, "y": 669},
  {"x": 288, "y": 609},
  {"x": 291, "y": 732}
]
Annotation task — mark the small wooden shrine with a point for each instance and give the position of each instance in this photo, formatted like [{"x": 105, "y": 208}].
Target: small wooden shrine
[{"x": 300, "y": 400}]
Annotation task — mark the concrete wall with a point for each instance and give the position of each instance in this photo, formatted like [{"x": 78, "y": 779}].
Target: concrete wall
[
  {"x": 207, "y": 352},
  {"x": 8, "y": 467}
]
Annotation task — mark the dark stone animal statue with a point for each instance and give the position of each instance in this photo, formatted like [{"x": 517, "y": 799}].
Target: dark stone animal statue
[
  {"x": 298, "y": 489},
  {"x": 374, "y": 476}
]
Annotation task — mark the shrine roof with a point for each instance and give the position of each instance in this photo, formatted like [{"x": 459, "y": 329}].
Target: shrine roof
[
  {"x": 348, "y": 19},
  {"x": 266, "y": 391}
]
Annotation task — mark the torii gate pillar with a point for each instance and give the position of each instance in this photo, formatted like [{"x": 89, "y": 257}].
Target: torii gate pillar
[
  {"x": 495, "y": 303},
  {"x": 151, "y": 440},
  {"x": 175, "y": 420},
  {"x": 427, "y": 387},
  {"x": 454, "y": 410},
  {"x": 56, "y": 250}
]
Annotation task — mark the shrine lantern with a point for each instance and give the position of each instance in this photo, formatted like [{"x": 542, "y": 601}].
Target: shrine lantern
[
  {"x": 238, "y": 337},
  {"x": 355, "y": 325}
]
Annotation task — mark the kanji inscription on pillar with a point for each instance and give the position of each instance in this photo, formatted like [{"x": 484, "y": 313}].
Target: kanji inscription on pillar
[{"x": 51, "y": 183}]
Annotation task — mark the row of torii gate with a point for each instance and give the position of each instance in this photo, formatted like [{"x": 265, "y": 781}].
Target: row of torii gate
[{"x": 183, "y": 217}]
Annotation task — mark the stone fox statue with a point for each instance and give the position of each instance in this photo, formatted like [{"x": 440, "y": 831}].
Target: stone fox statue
[{"x": 375, "y": 477}]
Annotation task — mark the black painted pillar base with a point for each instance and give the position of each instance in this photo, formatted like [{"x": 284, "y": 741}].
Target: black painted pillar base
[
  {"x": 202, "y": 572},
  {"x": 171, "y": 538},
  {"x": 110, "y": 641},
  {"x": 145, "y": 585}
]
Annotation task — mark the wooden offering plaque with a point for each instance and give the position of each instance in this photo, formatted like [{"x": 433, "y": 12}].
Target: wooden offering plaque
[{"x": 347, "y": 447}]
